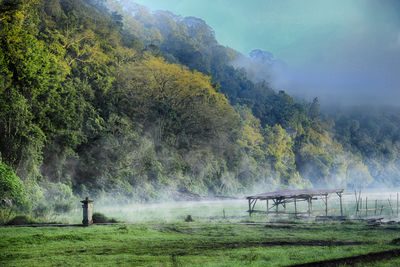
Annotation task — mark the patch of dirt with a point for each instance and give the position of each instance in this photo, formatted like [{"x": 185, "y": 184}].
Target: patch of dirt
[{"x": 350, "y": 261}]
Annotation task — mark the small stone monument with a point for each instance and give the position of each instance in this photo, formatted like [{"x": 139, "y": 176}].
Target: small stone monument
[{"x": 87, "y": 211}]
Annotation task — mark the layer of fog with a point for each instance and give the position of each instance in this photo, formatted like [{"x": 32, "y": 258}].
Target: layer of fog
[
  {"x": 338, "y": 85},
  {"x": 235, "y": 211},
  {"x": 350, "y": 56}
]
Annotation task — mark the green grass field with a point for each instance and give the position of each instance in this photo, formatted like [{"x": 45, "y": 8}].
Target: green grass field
[
  {"x": 191, "y": 244},
  {"x": 159, "y": 236}
]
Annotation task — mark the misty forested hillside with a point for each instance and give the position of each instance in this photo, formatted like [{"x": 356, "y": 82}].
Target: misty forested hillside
[{"x": 104, "y": 98}]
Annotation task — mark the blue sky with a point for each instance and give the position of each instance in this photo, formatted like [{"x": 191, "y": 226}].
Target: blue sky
[{"x": 339, "y": 50}]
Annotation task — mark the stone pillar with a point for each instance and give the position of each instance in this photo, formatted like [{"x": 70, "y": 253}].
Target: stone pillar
[{"x": 87, "y": 211}]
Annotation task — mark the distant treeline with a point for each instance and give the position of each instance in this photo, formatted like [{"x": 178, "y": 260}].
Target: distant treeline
[{"x": 103, "y": 98}]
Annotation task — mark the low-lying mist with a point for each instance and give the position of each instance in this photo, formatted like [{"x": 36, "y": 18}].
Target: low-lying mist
[
  {"x": 235, "y": 211},
  {"x": 339, "y": 85}
]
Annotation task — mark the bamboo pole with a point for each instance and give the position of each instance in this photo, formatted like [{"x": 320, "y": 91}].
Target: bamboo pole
[
  {"x": 341, "y": 206},
  {"x": 355, "y": 194},
  {"x": 326, "y": 205},
  {"x": 359, "y": 202}
]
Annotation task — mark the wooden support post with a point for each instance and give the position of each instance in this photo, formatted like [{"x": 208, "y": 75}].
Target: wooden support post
[
  {"x": 326, "y": 205},
  {"x": 366, "y": 206},
  {"x": 309, "y": 206},
  {"x": 267, "y": 207},
  {"x": 355, "y": 193},
  {"x": 276, "y": 203},
  {"x": 295, "y": 208},
  {"x": 252, "y": 207},
  {"x": 249, "y": 207},
  {"x": 376, "y": 206},
  {"x": 341, "y": 206},
  {"x": 284, "y": 207}
]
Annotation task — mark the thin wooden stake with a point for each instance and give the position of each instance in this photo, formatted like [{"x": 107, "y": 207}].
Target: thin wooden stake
[
  {"x": 390, "y": 204},
  {"x": 355, "y": 193},
  {"x": 326, "y": 205}
]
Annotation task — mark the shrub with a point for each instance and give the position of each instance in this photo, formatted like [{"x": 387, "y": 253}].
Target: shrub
[
  {"x": 11, "y": 192},
  {"x": 11, "y": 186},
  {"x": 189, "y": 218},
  {"x": 59, "y": 197},
  {"x": 62, "y": 207},
  {"x": 21, "y": 220},
  {"x": 41, "y": 210},
  {"x": 101, "y": 218}
]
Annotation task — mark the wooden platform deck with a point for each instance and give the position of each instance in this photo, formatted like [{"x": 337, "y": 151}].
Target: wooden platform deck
[{"x": 283, "y": 197}]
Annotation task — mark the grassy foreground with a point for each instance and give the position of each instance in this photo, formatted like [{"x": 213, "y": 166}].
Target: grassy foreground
[{"x": 194, "y": 244}]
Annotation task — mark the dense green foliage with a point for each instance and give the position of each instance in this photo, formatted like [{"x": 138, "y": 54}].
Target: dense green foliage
[
  {"x": 117, "y": 101},
  {"x": 11, "y": 186},
  {"x": 11, "y": 192}
]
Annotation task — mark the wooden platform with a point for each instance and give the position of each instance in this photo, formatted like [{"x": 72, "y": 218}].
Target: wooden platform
[{"x": 283, "y": 197}]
